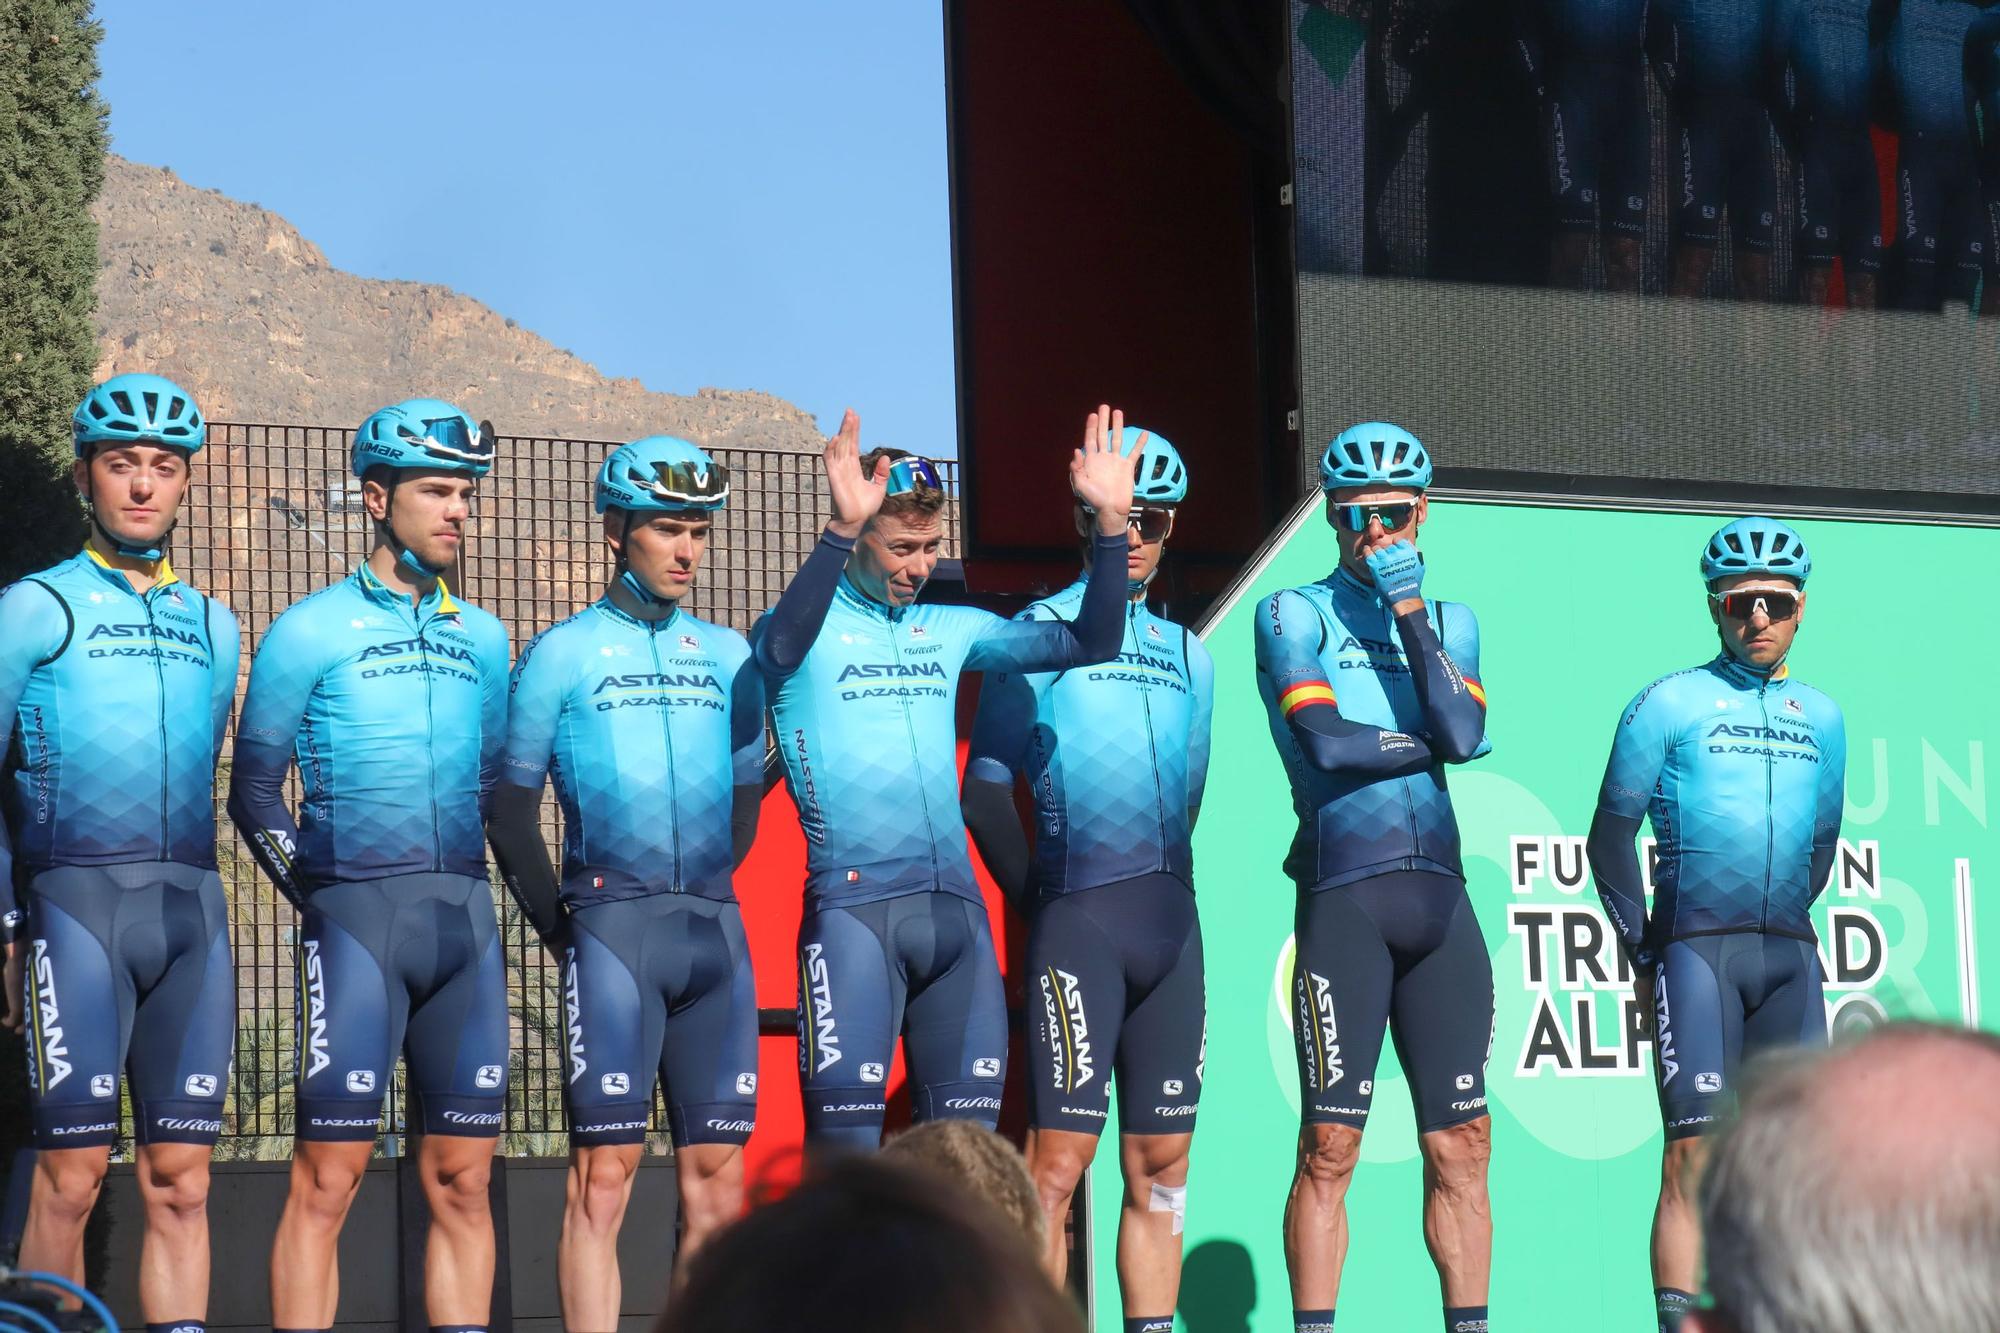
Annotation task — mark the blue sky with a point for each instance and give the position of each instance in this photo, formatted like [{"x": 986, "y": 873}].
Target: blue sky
[{"x": 745, "y": 195}]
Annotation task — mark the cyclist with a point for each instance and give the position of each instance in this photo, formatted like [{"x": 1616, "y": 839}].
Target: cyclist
[
  {"x": 1833, "y": 48},
  {"x": 1115, "y": 756},
  {"x": 652, "y": 723},
  {"x": 1741, "y": 770},
  {"x": 1944, "y": 240},
  {"x": 1982, "y": 74},
  {"x": 1722, "y": 81},
  {"x": 392, "y": 696},
  {"x": 895, "y": 936},
  {"x": 115, "y": 684},
  {"x": 1586, "y": 60},
  {"x": 1371, "y": 691}
]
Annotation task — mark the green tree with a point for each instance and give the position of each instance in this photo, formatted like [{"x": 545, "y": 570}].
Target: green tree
[
  {"x": 52, "y": 143},
  {"x": 53, "y": 138}
]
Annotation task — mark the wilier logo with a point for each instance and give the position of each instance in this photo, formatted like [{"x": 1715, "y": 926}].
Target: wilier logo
[
  {"x": 1319, "y": 1032},
  {"x": 1068, "y": 1030}
]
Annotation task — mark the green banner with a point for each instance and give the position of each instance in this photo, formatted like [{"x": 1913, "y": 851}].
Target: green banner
[{"x": 1578, "y": 609}]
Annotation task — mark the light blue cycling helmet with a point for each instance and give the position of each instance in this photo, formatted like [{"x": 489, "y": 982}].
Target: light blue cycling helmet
[
  {"x": 138, "y": 409},
  {"x": 421, "y": 432},
  {"x": 1162, "y": 478},
  {"x": 661, "y": 472},
  {"x": 1375, "y": 453},
  {"x": 1755, "y": 546}
]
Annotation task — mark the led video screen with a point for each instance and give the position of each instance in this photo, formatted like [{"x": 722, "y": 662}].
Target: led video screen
[{"x": 1658, "y": 243}]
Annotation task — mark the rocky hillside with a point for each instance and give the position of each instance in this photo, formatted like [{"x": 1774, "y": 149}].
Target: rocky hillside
[{"x": 233, "y": 302}]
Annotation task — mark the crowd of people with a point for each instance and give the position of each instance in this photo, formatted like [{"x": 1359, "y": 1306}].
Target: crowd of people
[{"x": 417, "y": 744}]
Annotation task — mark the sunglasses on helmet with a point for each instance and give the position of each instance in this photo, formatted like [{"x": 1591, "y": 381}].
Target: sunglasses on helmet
[
  {"x": 1747, "y": 603},
  {"x": 454, "y": 438},
  {"x": 689, "y": 483},
  {"x": 1393, "y": 517},
  {"x": 909, "y": 472}
]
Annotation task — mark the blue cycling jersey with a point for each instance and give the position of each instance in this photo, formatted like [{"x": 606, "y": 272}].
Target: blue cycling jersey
[
  {"x": 396, "y": 714},
  {"x": 1720, "y": 43},
  {"x": 647, "y": 725},
  {"x": 1833, "y": 55},
  {"x": 1335, "y": 645},
  {"x": 1926, "y": 57},
  {"x": 866, "y": 728},
  {"x": 112, "y": 707},
  {"x": 1114, "y": 754},
  {"x": 1742, "y": 775}
]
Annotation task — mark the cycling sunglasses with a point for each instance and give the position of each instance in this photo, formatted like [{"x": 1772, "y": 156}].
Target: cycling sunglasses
[
  {"x": 1153, "y": 524},
  {"x": 688, "y": 483},
  {"x": 1742, "y": 605},
  {"x": 457, "y": 439},
  {"x": 911, "y": 471},
  {"x": 1394, "y": 517}
]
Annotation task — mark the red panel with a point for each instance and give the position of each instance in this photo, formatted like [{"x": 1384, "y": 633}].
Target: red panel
[{"x": 1104, "y": 242}]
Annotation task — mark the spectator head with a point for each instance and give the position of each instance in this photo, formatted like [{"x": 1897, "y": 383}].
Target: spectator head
[
  {"x": 1860, "y": 1191},
  {"x": 873, "y": 1245},
  {"x": 981, "y": 1162}
]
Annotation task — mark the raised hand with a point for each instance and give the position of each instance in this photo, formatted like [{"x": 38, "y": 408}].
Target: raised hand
[
  {"x": 856, "y": 496},
  {"x": 1102, "y": 476}
]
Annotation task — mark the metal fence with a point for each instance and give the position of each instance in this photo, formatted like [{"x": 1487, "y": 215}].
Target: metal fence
[{"x": 277, "y": 515}]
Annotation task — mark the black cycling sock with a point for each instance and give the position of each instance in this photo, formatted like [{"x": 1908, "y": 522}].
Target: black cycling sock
[
  {"x": 179, "y": 1326},
  {"x": 1163, "y": 1323},
  {"x": 1312, "y": 1321},
  {"x": 1673, "y": 1305},
  {"x": 1464, "y": 1319}
]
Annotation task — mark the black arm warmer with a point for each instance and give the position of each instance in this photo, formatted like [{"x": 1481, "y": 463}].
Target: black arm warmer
[
  {"x": 996, "y": 831},
  {"x": 515, "y": 831},
  {"x": 745, "y": 805},
  {"x": 1457, "y": 721},
  {"x": 794, "y": 624},
  {"x": 1332, "y": 744},
  {"x": 257, "y": 807},
  {"x": 1100, "y": 622},
  {"x": 1614, "y": 863}
]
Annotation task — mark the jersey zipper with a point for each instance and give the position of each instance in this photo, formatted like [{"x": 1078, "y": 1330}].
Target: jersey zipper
[
  {"x": 160, "y": 684},
  {"x": 916, "y": 755},
  {"x": 1152, "y": 744},
  {"x": 430, "y": 736},
  {"x": 1770, "y": 823},
  {"x": 1409, "y": 801},
  {"x": 667, "y": 734}
]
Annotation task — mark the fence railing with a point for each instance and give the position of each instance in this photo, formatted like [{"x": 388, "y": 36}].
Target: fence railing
[{"x": 276, "y": 515}]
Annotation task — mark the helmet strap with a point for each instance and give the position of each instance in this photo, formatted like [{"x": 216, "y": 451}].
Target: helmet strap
[
  {"x": 408, "y": 560},
  {"x": 151, "y": 552},
  {"x": 646, "y": 597}
]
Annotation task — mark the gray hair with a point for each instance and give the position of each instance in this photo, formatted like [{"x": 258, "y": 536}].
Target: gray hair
[{"x": 1822, "y": 1215}]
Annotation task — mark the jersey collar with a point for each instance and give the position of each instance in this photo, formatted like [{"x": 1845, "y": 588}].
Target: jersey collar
[
  {"x": 1342, "y": 580},
  {"x": 851, "y": 593},
  {"x": 163, "y": 573},
  {"x": 437, "y": 601},
  {"x": 1738, "y": 672},
  {"x": 608, "y": 606}
]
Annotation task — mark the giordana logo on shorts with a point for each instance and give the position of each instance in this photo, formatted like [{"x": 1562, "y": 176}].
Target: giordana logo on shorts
[
  {"x": 1171, "y": 1088},
  {"x": 819, "y": 1043},
  {"x": 972, "y": 1103},
  {"x": 732, "y": 1126},
  {"x": 871, "y": 1072},
  {"x": 361, "y": 1080},
  {"x": 573, "y": 1016},
  {"x": 615, "y": 1085},
  {"x": 1367, "y": 1088},
  {"x": 746, "y": 1083},
  {"x": 201, "y": 1085},
  {"x": 986, "y": 1067},
  {"x": 103, "y": 1085},
  {"x": 489, "y": 1076},
  {"x": 1068, "y": 1030},
  {"x": 1707, "y": 1082},
  {"x": 314, "y": 1016},
  {"x": 1319, "y": 1032},
  {"x": 51, "y": 1051},
  {"x": 473, "y": 1117},
  {"x": 1463, "y": 1083}
]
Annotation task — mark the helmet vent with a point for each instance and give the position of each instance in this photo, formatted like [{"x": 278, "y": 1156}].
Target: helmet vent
[{"x": 123, "y": 402}]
